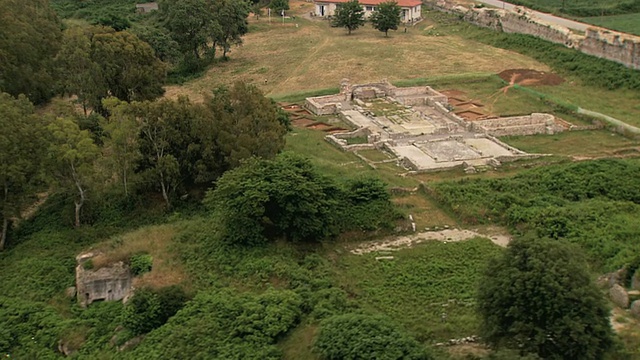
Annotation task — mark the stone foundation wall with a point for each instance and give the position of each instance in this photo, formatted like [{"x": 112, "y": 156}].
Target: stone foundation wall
[
  {"x": 324, "y": 105},
  {"x": 533, "y": 124},
  {"x": 603, "y": 43}
]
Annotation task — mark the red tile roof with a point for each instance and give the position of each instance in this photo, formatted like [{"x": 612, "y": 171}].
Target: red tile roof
[{"x": 402, "y": 3}]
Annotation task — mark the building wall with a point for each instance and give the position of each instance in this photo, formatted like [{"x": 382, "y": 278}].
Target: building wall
[{"x": 413, "y": 13}]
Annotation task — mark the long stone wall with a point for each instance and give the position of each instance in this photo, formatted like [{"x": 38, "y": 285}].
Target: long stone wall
[{"x": 603, "y": 43}]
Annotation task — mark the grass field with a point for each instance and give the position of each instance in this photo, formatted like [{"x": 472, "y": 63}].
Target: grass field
[
  {"x": 579, "y": 7},
  {"x": 285, "y": 58},
  {"x": 580, "y": 144},
  {"x": 629, "y": 23}
]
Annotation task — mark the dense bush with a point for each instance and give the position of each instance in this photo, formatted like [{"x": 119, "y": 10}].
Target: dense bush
[
  {"x": 141, "y": 263},
  {"x": 220, "y": 324},
  {"x": 595, "y": 204},
  {"x": 359, "y": 336},
  {"x": 287, "y": 197},
  {"x": 149, "y": 309}
]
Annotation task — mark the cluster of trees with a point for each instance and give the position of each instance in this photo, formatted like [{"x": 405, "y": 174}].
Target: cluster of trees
[
  {"x": 350, "y": 15},
  {"x": 287, "y": 197},
  {"x": 164, "y": 145}
]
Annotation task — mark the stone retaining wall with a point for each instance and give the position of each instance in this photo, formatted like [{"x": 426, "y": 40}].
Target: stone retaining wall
[{"x": 603, "y": 43}]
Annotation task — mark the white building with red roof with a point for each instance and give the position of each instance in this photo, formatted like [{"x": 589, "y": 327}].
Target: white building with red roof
[{"x": 411, "y": 9}]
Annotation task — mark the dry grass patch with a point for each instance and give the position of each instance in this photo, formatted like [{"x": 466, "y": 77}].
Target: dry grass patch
[
  {"x": 425, "y": 212},
  {"x": 153, "y": 240},
  {"x": 281, "y": 59}
]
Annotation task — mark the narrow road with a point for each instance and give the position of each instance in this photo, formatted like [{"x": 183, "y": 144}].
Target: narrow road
[{"x": 543, "y": 16}]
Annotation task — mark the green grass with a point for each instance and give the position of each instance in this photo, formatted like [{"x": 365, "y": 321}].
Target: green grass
[
  {"x": 629, "y": 23},
  {"x": 582, "y": 7},
  {"x": 574, "y": 143},
  {"x": 420, "y": 284}
]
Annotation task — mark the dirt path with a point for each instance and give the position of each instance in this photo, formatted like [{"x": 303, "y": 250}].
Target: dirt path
[{"x": 397, "y": 243}]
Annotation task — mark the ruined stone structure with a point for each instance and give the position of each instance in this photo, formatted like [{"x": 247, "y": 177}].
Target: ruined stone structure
[
  {"x": 611, "y": 45},
  {"x": 110, "y": 283},
  {"x": 416, "y": 125}
]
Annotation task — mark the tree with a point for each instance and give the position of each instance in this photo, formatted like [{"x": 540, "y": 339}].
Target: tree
[
  {"x": 386, "y": 17},
  {"x": 79, "y": 74},
  {"x": 129, "y": 67},
  {"x": 538, "y": 298},
  {"x": 121, "y": 143},
  {"x": 285, "y": 197},
  {"x": 279, "y": 6},
  {"x": 29, "y": 40},
  {"x": 350, "y": 16},
  {"x": 72, "y": 154},
  {"x": 231, "y": 16},
  {"x": 360, "y": 336},
  {"x": 22, "y": 153},
  {"x": 190, "y": 23}
]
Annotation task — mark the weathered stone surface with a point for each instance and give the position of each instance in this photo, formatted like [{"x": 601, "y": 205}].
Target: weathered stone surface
[
  {"x": 635, "y": 309},
  {"x": 635, "y": 280},
  {"x": 110, "y": 283},
  {"x": 619, "y": 296},
  {"x": 70, "y": 292}
]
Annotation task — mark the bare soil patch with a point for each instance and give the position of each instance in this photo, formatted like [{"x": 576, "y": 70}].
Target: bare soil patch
[
  {"x": 453, "y": 235},
  {"x": 530, "y": 77}
]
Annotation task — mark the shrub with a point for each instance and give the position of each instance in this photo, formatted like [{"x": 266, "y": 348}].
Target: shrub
[
  {"x": 149, "y": 309},
  {"x": 141, "y": 263},
  {"x": 358, "y": 336}
]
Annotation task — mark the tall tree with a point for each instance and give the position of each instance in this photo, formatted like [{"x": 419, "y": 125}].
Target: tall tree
[
  {"x": 29, "y": 40},
  {"x": 538, "y": 297},
  {"x": 349, "y": 15},
  {"x": 72, "y": 154},
  {"x": 246, "y": 124},
  {"x": 386, "y": 17},
  {"x": 279, "y": 6},
  {"x": 190, "y": 25},
  {"x": 129, "y": 66},
  {"x": 79, "y": 74},
  {"x": 22, "y": 153},
  {"x": 231, "y": 16},
  {"x": 121, "y": 143}
]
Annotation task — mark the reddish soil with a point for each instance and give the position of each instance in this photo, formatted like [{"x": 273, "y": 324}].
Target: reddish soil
[
  {"x": 530, "y": 77},
  {"x": 302, "y": 122},
  {"x": 471, "y": 115},
  {"x": 453, "y": 93},
  {"x": 319, "y": 126}
]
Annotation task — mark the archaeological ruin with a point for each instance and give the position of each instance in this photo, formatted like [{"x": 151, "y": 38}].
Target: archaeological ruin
[
  {"x": 418, "y": 127},
  {"x": 111, "y": 283}
]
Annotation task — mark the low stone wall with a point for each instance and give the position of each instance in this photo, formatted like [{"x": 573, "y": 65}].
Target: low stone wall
[
  {"x": 603, "y": 43},
  {"x": 533, "y": 124},
  {"x": 340, "y": 140},
  {"x": 324, "y": 105}
]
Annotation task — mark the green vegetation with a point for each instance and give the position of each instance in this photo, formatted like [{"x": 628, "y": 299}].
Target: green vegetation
[
  {"x": 626, "y": 23},
  {"x": 538, "y": 297},
  {"x": 349, "y": 15},
  {"x": 583, "y": 8},
  {"x": 360, "y": 337},
  {"x": 386, "y": 17},
  {"x": 593, "y": 204}
]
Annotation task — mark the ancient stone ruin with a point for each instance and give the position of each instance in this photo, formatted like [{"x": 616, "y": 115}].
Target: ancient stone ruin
[
  {"x": 110, "y": 283},
  {"x": 417, "y": 126}
]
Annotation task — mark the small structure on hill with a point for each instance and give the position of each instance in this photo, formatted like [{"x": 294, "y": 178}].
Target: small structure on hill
[
  {"x": 110, "y": 283},
  {"x": 145, "y": 8}
]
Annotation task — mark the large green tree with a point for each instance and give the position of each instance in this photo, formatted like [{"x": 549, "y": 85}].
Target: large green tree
[
  {"x": 22, "y": 153},
  {"x": 538, "y": 297},
  {"x": 349, "y": 15},
  {"x": 97, "y": 62},
  {"x": 29, "y": 39},
  {"x": 72, "y": 155},
  {"x": 386, "y": 17},
  {"x": 231, "y": 16}
]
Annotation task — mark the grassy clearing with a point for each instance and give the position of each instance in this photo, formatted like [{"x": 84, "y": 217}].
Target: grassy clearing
[
  {"x": 154, "y": 240},
  {"x": 626, "y": 23},
  {"x": 420, "y": 284},
  {"x": 573, "y": 143},
  {"x": 425, "y": 211},
  {"x": 283, "y": 59},
  {"x": 581, "y": 7}
]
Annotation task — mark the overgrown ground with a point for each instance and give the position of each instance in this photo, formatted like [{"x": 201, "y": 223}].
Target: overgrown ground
[{"x": 626, "y": 23}]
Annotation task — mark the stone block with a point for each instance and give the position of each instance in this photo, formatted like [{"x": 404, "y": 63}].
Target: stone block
[
  {"x": 635, "y": 309},
  {"x": 619, "y": 296}
]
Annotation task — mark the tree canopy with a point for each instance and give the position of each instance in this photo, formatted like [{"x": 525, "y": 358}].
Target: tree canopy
[
  {"x": 538, "y": 297},
  {"x": 386, "y": 17},
  {"x": 23, "y": 143},
  {"x": 29, "y": 39},
  {"x": 349, "y": 15}
]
